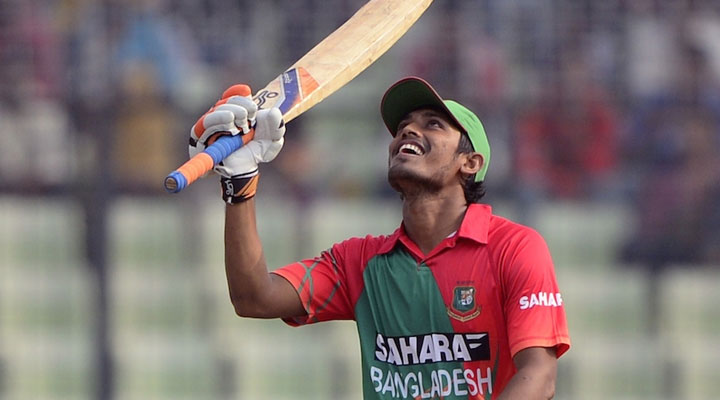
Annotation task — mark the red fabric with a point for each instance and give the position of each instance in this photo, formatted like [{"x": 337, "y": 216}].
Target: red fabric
[{"x": 501, "y": 270}]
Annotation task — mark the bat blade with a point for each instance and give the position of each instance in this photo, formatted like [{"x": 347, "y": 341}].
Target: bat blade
[
  {"x": 328, "y": 66},
  {"x": 340, "y": 57}
]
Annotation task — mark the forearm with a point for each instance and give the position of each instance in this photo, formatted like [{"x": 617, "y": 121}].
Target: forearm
[
  {"x": 253, "y": 291},
  {"x": 528, "y": 386},
  {"x": 245, "y": 266},
  {"x": 535, "y": 376}
]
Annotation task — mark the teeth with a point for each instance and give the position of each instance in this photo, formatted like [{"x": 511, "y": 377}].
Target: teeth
[{"x": 411, "y": 148}]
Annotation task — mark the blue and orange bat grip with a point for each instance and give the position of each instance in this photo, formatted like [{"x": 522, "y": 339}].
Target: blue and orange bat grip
[{"x": 203, "y": 162}]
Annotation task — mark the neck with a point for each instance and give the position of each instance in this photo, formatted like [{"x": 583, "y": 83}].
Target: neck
[{"x": 428, "y": 220}]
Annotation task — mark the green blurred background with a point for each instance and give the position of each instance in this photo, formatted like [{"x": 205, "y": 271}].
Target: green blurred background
[{"x": 604, "y": 118}]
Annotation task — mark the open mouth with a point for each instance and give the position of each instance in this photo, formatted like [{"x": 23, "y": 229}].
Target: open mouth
[{"x": 413, "y": 149}]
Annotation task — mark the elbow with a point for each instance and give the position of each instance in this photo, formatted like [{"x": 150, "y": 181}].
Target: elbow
[
  {"x": 245, "y": 307},
  {"x": 240, "y": 309},
  {"x": 549, "y": 387},
  {"x": 550, "y": 391}
]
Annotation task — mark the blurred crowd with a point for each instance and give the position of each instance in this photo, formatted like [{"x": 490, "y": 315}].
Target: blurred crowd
[{"x": 583, "y": 100}]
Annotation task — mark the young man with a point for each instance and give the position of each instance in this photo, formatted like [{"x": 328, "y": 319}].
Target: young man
[{"x": 456, "y": 303}]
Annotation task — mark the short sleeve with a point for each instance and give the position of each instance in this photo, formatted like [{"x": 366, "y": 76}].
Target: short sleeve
[
  {"x": 320, "y": 283},
  {"x": 534, "y": 309}
]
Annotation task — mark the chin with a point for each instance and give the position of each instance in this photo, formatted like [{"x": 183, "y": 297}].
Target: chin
[
  {"x": 397, "y": 174},
  {"x": 406, "y": 181}
]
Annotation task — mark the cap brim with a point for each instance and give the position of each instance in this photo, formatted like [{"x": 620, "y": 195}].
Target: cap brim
[{"x": 407, "y": 95}]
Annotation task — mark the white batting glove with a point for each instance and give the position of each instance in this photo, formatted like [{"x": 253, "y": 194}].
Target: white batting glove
[
  {"x": 264, "y": 147},
  {"x": 238, "y": 114},
  {"x": 231, "y": 115}
]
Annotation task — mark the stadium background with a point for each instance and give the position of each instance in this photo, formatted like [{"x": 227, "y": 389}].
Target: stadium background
[{"x": 603, "y": 118}]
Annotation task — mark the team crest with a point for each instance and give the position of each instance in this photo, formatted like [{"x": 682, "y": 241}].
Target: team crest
[{"x": 464, "y": 307}]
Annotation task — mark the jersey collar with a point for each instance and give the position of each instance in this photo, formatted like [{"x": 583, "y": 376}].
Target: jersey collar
[
  {"x": 476, "y": 223},
  {"x": 475, "y": 226}
]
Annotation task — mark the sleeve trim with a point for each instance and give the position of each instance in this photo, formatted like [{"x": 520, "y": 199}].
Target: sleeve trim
[{"x": 560, "y": 343}]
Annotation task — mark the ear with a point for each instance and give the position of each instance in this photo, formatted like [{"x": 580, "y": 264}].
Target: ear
[{"x": 473, "y": 163}]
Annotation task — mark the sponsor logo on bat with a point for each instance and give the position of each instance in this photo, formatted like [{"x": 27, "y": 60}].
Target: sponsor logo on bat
[
  {"x": 263, "y": 96},
  {"x": 295, "y": 84}
]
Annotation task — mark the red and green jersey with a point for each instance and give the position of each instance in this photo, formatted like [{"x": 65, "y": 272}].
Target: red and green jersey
[{"x": 444, "y": 324}]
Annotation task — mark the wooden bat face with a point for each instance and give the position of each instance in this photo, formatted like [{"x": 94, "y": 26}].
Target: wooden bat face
[{"x": 341, "y": 56}]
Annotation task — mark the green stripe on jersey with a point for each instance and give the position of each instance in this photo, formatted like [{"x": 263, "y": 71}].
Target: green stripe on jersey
[{"x": 401, "y": 306}]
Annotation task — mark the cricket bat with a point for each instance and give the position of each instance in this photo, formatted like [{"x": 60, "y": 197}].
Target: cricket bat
[{"x": 326, "y": 68}]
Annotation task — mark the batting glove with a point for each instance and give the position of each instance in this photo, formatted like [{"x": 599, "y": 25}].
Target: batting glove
[{"x": 236, "y": 113}]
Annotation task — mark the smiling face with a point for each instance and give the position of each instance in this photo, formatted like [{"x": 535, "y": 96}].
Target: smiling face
[{"x": 423, "y": 154}]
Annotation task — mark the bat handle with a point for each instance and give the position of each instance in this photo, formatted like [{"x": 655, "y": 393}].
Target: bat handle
[{"x": 203, "y": 162}]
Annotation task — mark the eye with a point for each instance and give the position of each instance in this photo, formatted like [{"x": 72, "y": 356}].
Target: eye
[{"x": 435, "y": 123}]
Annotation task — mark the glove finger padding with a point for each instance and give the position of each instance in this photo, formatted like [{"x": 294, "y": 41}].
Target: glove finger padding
[
  {"x": 270, "y": 125},
  {"x": 244, "y": 110},
  {"x": 265, "y": 146},
  {"x": 221, "y": 120},
  {"x": 248, "y": 104},
  {"x": 240, "y": 118},
  {"x": 218, "y": 122}
]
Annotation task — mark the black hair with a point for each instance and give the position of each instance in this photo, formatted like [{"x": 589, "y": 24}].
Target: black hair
[{"x": 474, "y": 191}]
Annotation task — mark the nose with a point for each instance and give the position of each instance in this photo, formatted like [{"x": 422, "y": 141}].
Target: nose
[{"x": 407, "y": 130}]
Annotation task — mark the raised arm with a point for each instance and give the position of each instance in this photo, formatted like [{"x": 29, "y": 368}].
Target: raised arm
[{"x": 253, "y": 291}]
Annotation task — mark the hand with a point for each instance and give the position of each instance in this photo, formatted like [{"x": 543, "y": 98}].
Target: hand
[{"x": 236, "y": 113}]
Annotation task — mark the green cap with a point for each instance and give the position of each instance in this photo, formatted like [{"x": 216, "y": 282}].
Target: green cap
[{"x": 412, "y": 93}]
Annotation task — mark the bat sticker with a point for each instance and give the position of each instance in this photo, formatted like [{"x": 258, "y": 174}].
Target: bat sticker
[
  {"x": 295, "y": 84},
  {"x": 263, "y": 96}
]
